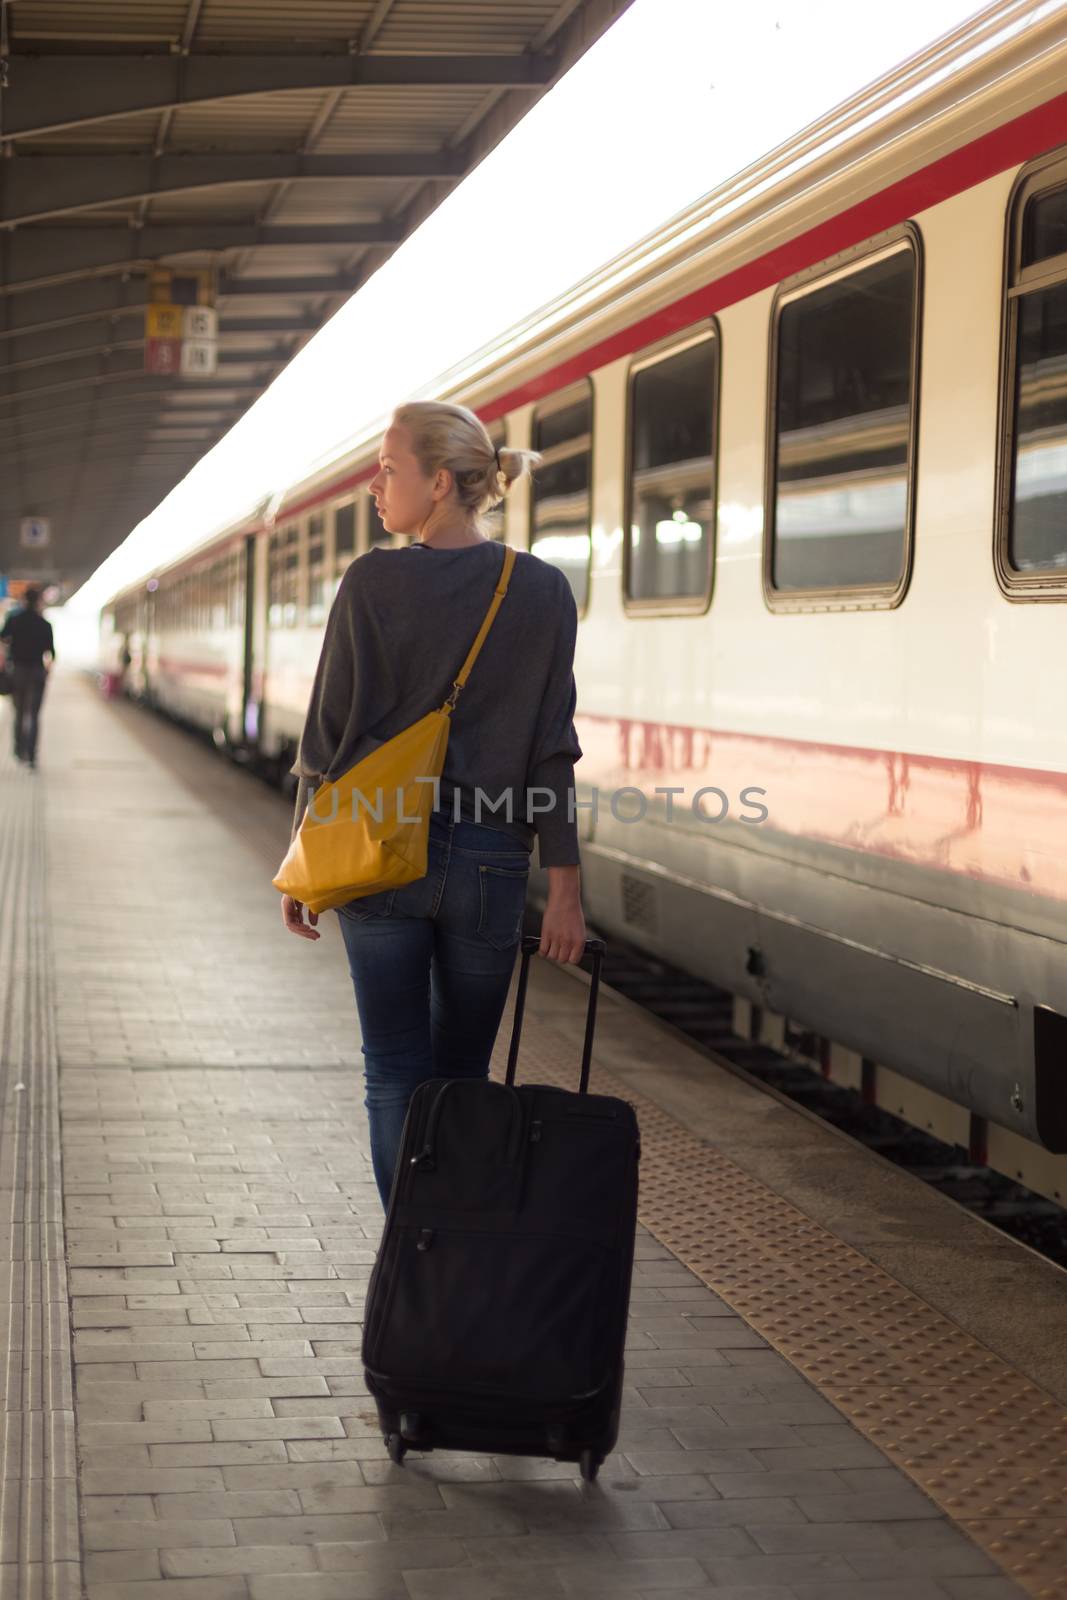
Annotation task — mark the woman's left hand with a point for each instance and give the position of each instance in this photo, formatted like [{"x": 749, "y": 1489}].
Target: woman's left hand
[{"x": 293, "y": 917}]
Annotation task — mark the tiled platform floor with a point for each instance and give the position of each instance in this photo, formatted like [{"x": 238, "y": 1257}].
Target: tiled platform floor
[{"x": 220, "y": 1227}]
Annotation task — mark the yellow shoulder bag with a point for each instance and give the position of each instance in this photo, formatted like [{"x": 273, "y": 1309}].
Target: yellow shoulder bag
[{"x": 369, "y": 829}]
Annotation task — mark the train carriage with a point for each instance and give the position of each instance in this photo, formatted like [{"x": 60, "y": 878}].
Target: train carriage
[{"x": 805, "y": 467}]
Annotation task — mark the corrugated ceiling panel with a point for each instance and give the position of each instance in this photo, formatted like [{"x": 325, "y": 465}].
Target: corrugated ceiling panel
[
  {"x": 251, "y": 371},
  {"x": 413, "y": 26},
  {"x": 335, "y": 21},
  {"x": 164, "y": 435},
  {"x": 462, "y": 27},
  {"x": 396, "y": 119},
  {"x": 254, "y": 343},
  {"x": 119, "y": 134},
  {"x": 293, "y": 261},
  {"x": 192, "y": 399},
  {"x": 312, "y": 200},
  {"x": 275, "y": 261},
  {"x": 143, "y": 20},
  {"x": 249, "y": 122},
  {"x": 237, "y": 202},
  {"x": 234, "y": 307}
]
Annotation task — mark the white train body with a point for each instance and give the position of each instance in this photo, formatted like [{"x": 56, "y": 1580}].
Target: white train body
[{"x": 905, "y": 895}]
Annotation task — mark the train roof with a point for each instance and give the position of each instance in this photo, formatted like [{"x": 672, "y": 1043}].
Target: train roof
[{"x": 943, "y": 120}]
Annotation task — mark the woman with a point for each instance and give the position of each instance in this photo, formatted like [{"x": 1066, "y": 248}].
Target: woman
[{"x": 431, "y": 962}]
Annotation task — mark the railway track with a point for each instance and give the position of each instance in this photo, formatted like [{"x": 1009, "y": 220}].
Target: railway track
[{"x": 703, "y": 1015}]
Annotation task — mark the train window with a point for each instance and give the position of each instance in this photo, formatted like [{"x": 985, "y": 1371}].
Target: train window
[
  {"x": 236, "y": 588},
  {"x": 496, "y": 518},
  {"x": 274, "y": 580},
  {"x": 842, "y": 429},
  {"x": 290, "y": 558},
  {"x": 670, "y": 518},
  {"x": 1031, "y": 537},
  {"x": 344, "y": 536},
  {"x": 316, "y": 612},
  {"x": 219, "y": 573},
  {"x": 1044, "y": 231},
  {"x": 560, "y": 503}
]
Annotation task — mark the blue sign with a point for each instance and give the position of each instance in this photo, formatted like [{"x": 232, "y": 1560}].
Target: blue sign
[{"x": 3, "y": 585}]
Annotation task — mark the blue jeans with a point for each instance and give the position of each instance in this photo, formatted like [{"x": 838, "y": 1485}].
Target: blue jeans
[{"x": 431, "y": 963}]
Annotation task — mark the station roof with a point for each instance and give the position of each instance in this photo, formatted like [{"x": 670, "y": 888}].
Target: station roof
[{"x": 288, "y": 146}]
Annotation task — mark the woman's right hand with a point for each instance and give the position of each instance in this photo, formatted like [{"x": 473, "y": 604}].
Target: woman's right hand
[
  {"x": 293, "y": 917},
  {"x": 563, "y": 928}
]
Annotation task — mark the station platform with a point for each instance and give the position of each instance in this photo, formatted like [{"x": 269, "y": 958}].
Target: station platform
[{"x": 839, "y": 1386}]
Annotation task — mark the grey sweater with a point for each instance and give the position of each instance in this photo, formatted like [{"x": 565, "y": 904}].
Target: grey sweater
[{"x": 397, "y": 634}]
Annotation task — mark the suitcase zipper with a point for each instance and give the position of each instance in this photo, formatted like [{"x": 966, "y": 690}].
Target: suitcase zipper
[{"x": 424, "y": 1161}]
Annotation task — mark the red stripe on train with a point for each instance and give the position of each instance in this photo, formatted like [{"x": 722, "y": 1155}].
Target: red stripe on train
[
  {"x": 1003, "y": 824},
  {"x": 196, "y": 669}
]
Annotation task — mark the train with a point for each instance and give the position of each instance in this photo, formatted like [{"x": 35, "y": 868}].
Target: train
[{"x": 805, "y": 469}]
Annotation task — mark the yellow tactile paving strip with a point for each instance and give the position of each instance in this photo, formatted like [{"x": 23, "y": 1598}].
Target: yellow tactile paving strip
[{"x": 984, "y": 1442}]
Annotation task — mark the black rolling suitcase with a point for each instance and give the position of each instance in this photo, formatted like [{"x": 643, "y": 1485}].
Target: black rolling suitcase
[{"x": 496, "y": 1311}]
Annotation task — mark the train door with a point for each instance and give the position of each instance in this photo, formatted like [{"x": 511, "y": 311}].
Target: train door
[{"x": 251, "y": 688}]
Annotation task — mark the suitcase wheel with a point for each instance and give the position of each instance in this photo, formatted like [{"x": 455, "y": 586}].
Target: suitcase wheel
[
  {"x": 589, "y": 1465},
  {"x": 396, "y": 1447}
]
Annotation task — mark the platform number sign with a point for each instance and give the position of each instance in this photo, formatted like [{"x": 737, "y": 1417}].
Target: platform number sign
[
  {"x": 199, "y": 358},
  {"x": 163, "y": 339},
  {"x": 200, "y": 336},
  {"x": 35, "y": 532}
]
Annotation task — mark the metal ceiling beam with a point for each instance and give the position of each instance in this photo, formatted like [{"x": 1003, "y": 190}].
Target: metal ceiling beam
[
  {"x": 101, "y": 412},
  {"x": 111, "y": 471},
  {"x": 68, "y": 497},
  {"x": 35, "y": 187},
  {"x": 46, "y": 93},
  {"x": 33, "y": 310},
  {"x": 340, "y": 283},
  {"x": 118, "y": 470},
  {"x": 103, "y": 332},
  {"x": 113, "y": 405},
  {"x": 236, "y": 326},
  {"x": 115, "y": 514},
  {"x": 131, "y": 436},
  {"x": 122, "y": 439},
  {"x": 374, "y": 24},
  {"x": 72, "y": 434},
  {"x": 126, "y": 364},
  {"x": 45, "y": 255},
  {"x": 51, "y": 450},
  {"x": 136, "y": 374},
  {"x": 192, "y": 17},
  {"x": 67, "y": 352},
  {"x": 227, "y": 357},
  {"x": 90, "y": 489}
]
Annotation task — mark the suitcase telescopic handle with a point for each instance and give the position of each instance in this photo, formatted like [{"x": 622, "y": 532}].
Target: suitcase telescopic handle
[{"x": 530, "y": 943}]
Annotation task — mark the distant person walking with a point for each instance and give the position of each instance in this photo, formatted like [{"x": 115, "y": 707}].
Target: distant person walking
[{"x": 27, "y": 638}]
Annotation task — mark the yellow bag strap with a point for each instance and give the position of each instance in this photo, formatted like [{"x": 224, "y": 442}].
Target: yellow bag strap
[{"x": 494, "y": 606}]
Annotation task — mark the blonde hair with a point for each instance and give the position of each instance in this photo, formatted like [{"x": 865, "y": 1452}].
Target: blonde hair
[{"x": 445, "y": 435}]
